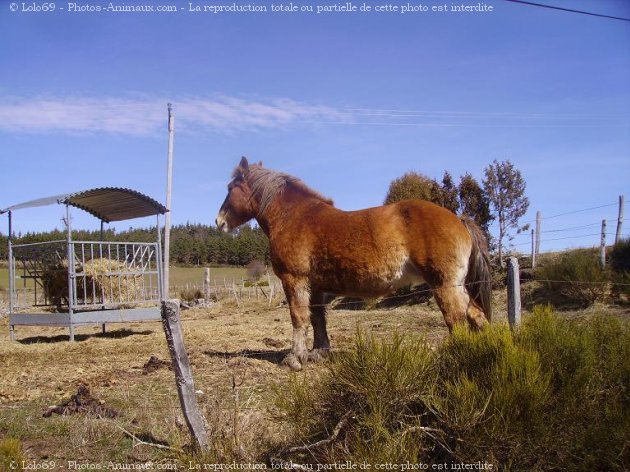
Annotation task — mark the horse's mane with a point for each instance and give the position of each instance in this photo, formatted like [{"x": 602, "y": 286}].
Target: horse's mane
[{"x": 266, "y": 184}]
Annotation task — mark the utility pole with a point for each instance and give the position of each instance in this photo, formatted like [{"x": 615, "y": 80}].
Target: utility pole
[{"x": 167, "y": 216}]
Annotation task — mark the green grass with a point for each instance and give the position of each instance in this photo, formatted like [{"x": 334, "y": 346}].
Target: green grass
[
  {"x": 11, "y": 454},
  {"x": 194, "y": 275}
]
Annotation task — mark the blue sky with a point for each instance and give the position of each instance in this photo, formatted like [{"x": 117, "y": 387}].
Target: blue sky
[{"x": 346, "y": 101}]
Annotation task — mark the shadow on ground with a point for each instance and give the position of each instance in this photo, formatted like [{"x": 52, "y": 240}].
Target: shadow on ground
[
  {"x": 117, "y": 334},
  {"x": 274, "y": 357}
]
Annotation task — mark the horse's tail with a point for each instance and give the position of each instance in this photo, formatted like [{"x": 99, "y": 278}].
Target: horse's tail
[{"x": 478, "y": 278}]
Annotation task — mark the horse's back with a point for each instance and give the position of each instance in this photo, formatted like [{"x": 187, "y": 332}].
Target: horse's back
[{"x": 378, "y": 249}]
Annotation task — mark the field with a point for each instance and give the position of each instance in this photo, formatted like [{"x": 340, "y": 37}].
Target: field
[
  {"x": 235, "y": 354},
  {"x": 180, "y": 277},
  {"x": 4, "y": 278}
]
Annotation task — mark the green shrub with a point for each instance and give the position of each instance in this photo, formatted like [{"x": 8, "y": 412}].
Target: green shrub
[
  {"x": 620, "y": 264},
  {"x": 553, "y": 395},
  {"x": 589, "y": 414},
  {"x": 620, "y": 256},
  {"x": 574, "y": 278},
  {"x": 494, "y": 396},
  {"x": 382, "y": 390},
  {"x": 11, "y": 455}
]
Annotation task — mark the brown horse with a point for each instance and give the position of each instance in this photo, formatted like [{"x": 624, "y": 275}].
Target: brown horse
[{"x": 318, "y": 250}]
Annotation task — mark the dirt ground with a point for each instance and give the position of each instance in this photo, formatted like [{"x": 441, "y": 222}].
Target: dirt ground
[{"x": 235, "y": 355}]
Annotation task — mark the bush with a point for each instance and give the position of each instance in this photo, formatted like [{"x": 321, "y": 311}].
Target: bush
[
  {"x": 620, "y": 265},
  {"x": 11, "y": 455},
  {"x": 620, "y": 256},
  {"x": 255, "y": 270},
  {"x": 574, "y": 278},
  {"x": 554, "y": 395},
  {"x": 588, "y": 416},
  {"x": 190, "y": 294},
  {"x": 384, "y": 388}
]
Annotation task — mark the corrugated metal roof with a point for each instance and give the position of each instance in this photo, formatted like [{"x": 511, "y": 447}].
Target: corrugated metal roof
[{"x": 106, "y": 203}]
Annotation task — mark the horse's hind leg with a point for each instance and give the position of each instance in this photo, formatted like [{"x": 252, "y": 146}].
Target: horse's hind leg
[
  {"x": 476, "y": 317},
  {"x": 457, "y": 307},
  {"x": 298, "y": 299},
  {"x": 321, "y": 343},
  {"x": 453, "y": 301}
]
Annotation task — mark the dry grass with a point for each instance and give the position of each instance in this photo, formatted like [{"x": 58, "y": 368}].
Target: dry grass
[{"x": 235, "y": 354}]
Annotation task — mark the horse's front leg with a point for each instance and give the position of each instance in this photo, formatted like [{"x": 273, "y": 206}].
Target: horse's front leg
[{"x": 298, "y": 298}]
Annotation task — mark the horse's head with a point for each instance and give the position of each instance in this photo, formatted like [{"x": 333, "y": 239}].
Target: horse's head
[{"x": 239, "y": 206}]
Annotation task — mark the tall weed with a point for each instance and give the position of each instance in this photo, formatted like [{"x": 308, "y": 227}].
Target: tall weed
[{"x": 574, "y": 278}]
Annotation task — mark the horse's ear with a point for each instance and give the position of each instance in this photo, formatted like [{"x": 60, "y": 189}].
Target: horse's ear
[{"x": 244, "y": 165}]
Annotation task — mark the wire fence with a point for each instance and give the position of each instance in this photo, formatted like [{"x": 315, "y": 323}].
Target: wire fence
[{"x": 583, "y": 235}]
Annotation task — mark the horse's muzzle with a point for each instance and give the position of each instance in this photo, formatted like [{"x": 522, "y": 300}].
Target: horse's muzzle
[{"x": 222, "y": 225}]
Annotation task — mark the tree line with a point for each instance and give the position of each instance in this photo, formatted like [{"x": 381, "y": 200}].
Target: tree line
[{"x": 191, "y": 244}]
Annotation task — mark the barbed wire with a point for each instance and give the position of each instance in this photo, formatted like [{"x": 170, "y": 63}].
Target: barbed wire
[
  {"x": 572, "y": 212},
  {"x": 607, "y": 234}
]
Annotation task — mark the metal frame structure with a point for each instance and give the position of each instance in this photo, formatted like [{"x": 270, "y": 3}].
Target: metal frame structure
[{"x": 68, "y": 283}]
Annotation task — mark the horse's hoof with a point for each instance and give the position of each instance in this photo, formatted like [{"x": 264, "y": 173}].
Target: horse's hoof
[
  {"x": 317, "y": 355},
  {"x": 292, "y": 362}
]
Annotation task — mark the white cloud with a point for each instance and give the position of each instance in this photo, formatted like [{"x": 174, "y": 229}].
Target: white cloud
[
  {"x": 144, "y": 116},
  {"x": 148, "y": 116}
]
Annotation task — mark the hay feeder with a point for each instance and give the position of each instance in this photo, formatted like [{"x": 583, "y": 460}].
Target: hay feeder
[{"x": 69, "y": 283}]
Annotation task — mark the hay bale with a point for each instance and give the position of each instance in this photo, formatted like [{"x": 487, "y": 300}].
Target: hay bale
[
  {"x": 108, "y": 280},
  {"x": 113, "y": 285},
  {"x": 55, "y": 283}
]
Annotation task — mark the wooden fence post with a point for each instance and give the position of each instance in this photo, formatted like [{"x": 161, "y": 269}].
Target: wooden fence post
[
  {"x": 206, "y": 284},
  {"x": 619, "y": 220},
  {"x": 270, "y": 287},
  {"x": 533, "y": 251},
  {"x": 513, "y": 293},
  {"x": 602, "y": 246},
  {"x": 183, "y": 374},
  {"x": 538, "y": 225},
  {"x": 238, "y": 302}
]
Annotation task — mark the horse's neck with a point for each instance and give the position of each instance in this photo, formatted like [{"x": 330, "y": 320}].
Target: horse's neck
[{"x": 287, "y": 206}]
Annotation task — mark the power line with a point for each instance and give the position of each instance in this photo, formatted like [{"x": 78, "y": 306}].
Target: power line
[{"x": 569, "y": 10}]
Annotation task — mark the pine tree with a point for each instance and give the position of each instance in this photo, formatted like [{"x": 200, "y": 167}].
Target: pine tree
[
  {"x": 449, "y": 193},
  {"x": 473, "y": 202}
]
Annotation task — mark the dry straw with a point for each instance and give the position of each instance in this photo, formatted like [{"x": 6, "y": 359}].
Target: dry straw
[{"x": 99, "y": 280}]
